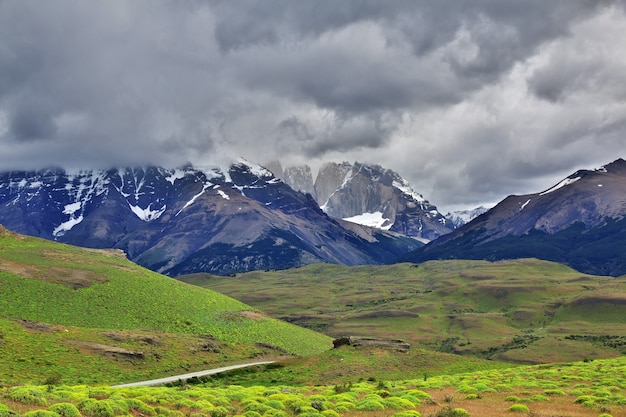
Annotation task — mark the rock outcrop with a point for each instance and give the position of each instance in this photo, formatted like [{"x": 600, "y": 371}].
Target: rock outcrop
[{"x": 372, "y": 343}]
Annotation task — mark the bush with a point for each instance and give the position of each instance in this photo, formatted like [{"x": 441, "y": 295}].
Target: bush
[
  {"x": 96, "y": 408},
  {"x": 519, "y": 408},
  {"x": 370, "y": 404},
  {"x": 553, "y": 392},
  {"x": 408, "y": 413},
  {"x": 539, "y": 397},
  {"x": 65, "y": 410},
  {"x": 451, "y": 412},
  {"x": 512, "y": 398},
  {"x": 140, "y": 407},
  {"x": 398, "y": 403},
  {"x": 28, "y": 396},
  {"x": 7, "y": 412},
  {"x": 40, "y": 413}
]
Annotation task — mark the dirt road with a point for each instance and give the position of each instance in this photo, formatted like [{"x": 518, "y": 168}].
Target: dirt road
[{"x": 175, "y": 378}]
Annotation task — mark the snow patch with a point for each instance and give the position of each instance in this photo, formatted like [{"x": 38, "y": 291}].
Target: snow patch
[
  {"x": 566, "y": 181},
  {"x": 176, "y": 174},
  {"x": 255, "y": 169},
  {"x": 147, "y": 214},
  {"x": 407, "y": 190},
  {"x": 66, "y": 226},
  {"x": 524, "y": 205},
  {"x": 194, "y": 198},
  {"x": 374, "y": 219},
  {"x": 223, "y": 194},
  {"x": 72, "y": 208}
]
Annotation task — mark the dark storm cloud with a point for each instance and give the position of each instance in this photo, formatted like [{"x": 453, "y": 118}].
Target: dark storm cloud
[{"x": 470, "y": 100}]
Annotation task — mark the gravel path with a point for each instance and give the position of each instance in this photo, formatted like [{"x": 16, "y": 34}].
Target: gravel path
[{"x": 175, "y": 378}]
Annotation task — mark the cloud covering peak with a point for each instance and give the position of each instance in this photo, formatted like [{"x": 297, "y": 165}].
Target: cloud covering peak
[{"x": 470, "y": 101}]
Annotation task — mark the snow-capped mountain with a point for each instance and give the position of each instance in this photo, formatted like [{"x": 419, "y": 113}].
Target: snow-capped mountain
[
  {"x": 460, "y": 217},
  {"x": 189, "y": 219},
  {"x": 373, "y": 196},
  {"x": 581, "y": 221}
]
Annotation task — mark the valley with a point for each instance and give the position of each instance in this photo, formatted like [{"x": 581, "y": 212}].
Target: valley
[{"x": 521, "y": 311}]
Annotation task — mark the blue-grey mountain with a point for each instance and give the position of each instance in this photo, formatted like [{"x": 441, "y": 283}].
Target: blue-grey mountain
[
  {"x": 189, "y": 220},
  {"x": 581, "y": 222}
]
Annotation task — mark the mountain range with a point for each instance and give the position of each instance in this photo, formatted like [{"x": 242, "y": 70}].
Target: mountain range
[
  {"x": 581, "y": 222},
  {"x": 224, "y": 221},
  {"x": 187, "y": 220}
]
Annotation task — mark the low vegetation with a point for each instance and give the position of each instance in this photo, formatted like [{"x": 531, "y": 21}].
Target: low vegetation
[
  {"x": 521, "y": 311},
  {"x": 589, "y": 388}
]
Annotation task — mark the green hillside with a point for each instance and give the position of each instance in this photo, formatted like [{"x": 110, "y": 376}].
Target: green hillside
[
  {"x": 525, "y": 311},
  {"x": 92, "y": 316}
]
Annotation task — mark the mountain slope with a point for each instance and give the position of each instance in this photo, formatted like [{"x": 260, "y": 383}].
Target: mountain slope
[
  {"x": 94, "y": 308},
  {"x": 581, "y": 221},
  {"x": 189, "y": 220}
]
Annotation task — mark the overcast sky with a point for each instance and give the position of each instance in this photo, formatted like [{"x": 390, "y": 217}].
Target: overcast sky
[{"x": 468, "y": 100}]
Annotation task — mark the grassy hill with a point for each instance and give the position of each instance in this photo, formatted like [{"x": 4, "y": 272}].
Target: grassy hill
[
  {"x": 81, "y": 316},
  {"x": 524, "y": 311}
]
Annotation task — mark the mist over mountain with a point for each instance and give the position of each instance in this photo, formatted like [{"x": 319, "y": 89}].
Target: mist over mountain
[
  {"x": 580, "y": 221},
  {"x": 190, "y": 219}
]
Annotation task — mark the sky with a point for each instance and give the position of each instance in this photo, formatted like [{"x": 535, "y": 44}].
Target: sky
[{"x": 470, "y": 101}]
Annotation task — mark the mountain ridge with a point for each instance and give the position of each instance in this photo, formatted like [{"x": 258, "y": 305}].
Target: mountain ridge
[
  {"x": 188, "y": 219},
  {"x": 580, "y": 221}
]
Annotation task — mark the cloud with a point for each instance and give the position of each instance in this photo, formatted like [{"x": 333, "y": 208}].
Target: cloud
[{"x": 469, "y": 100}]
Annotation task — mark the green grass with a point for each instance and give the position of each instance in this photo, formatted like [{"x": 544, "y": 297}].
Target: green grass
[
  {"x": 61, "y": 294},
  {"x": 521, "y": 311}
]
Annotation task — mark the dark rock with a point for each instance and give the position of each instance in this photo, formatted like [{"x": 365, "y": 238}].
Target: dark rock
[{"x": 372, "y": 343}]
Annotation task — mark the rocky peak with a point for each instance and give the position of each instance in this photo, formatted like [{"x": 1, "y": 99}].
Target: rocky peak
[{"x": 330, "y": 177}]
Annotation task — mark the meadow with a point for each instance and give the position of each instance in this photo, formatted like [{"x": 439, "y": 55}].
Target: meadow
[{"x": 520, "y": 311}]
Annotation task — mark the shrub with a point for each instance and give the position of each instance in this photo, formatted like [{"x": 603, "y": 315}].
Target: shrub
[
  {"x": 512, "y": 398},
  {"x": 96, "y": 408},
  {"x": 140, "y": 407},
  {"x": 65, "y": 410},
  {"x": 398, "y": 403},
  {"x": 553, "y": 392},
  {"x": 539, "y": 397},
  {"x": 28, "y": 396},
  {"x": 519, "y": 408},
  {"x": 162, "y": 411},
  {"x": 451, "y": 412},
  {"x": 408, "y": 413},
  {"x": 330, "y": 413},
  {"x": 278, "y": 405},
  {"x": 40, "y": 413},
  {"x": 585, "y": 399},
  {"x": 343, "y": 406},
  {"x": 419, "y": 393},
  {"x": 370, "y": 404},
  {"x": 7, "y": 412}
]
